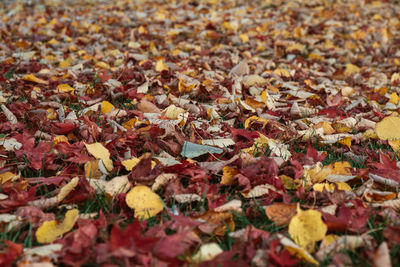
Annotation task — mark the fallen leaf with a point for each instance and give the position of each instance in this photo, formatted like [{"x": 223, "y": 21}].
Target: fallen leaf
[
  {"x": 50, "y": 231},
  {"x": 33, "y": 78},
  {"x": 281, "y": 213},
  {"x": 160, "y": 66},
  {"x": 306, "y": 228},
  {"x": 351, "y": 69},
  {"x": 388, "y": 128},
  {"x": 207, "y": 252},
  {"x": 66, "y": 189},
  {"x": 192, "y": 150},
  {"x": 106, "y": 107},
  {"x": 145, "y": 202},
  {"x": 296, "y": 250},
  {"x": 65, "y": 88},
  {"x": 98, "y": 151},
  {"x": 382, "y": 256}
]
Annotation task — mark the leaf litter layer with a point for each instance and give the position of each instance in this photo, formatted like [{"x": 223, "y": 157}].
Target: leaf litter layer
[{"x": 229, "y": 133}]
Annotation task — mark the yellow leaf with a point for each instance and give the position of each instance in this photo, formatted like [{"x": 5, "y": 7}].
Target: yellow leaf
[
  {"x": 227, "y": 174},
  {"x": 160, "y": 66},
  {"x": 33, "y": 78},
  {"x": 92, "y": 170},
  {"x": 345, "y": 141},
  {"x": 66, "y": 189},
  {"x": 395, "y": 77},
  {"x": 129, "y": 124},
  {"x": 328, "y": 129},
  {"x": 388, "y": 128},
  {"x": 306, "y": 228},
  {"x": 394, "y": 98},
  {"x": 282, "y": 72},
  {"x": 395, "y": 144},
  {"x": 106, "y": 107},
  {"x": 183, "y": 87},
  {"x": 244, "y": 38},
  {"x": 254, "y": 119},
  {"x": 102, "y": 65},
  {"x": 289, "y": 182},
  {"x": 51, "y": 114},
  {"x": 295, "y": 47},
  {"x": 328, "y": 239},
  {"x": 173, "y": 111},
  {"x": 297, "y": 251},
  {"x": 98, "y": 151},
  {"x": 318, "y": 174},
  {"x": 52, "y": 41},
  {"x": 50, "y": 231},
  {"x": 330, "y": 187},
  {"x": 129, "y": 164},
  {"x": 145, "y": 202},
  {"x": 65, "y": 63},
  {"x": 60, "y": 138},
  {"x": 351, "y": 69},
  {"x": 65, "y": 88},
  {"x": 8, "y": 176}
]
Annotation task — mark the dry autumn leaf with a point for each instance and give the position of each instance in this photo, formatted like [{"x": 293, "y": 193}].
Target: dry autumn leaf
[
  {"x": 50, "y": 231},
  {"x": 281, "y": 213},
  {"x": 387, "y": 129},
  {"x": 207, "y": 252},
  {"x": 98, "y": 151},
  {"x": 145, "y": 202},
  {"x": 306, "y": 228},
  {"x": 209, "y": 109}
]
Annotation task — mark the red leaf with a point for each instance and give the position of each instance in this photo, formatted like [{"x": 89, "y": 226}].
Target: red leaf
[{"x": 11, "y": 253}]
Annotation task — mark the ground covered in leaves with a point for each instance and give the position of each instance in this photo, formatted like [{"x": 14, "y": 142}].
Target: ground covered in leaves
[{"x": 213, "y": 133}]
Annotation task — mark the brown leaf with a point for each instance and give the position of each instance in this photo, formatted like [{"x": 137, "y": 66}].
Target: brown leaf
[{"x": 281, "y": 213}]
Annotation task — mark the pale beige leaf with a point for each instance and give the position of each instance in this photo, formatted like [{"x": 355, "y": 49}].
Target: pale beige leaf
[
  {"x": 233, "y": 205},
  {"x": 207, "y": 252},
  {"x": 187, "y": 198},
  {"x": 382, "y": 256}
]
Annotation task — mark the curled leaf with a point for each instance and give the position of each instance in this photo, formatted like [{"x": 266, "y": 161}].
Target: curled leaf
[{"x": 50, "y": 231}]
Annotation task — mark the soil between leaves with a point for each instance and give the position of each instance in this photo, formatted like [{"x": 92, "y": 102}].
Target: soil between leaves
[{"x": 238, "y": 115}]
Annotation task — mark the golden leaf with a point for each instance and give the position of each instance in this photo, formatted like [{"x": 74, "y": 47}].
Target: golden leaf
[
  {"x": 306, "y": 228},
  {"x": 106, "y": 107},
  {"x": 66, "y": 189},
  {"x": 65, "y": 88},
  {"x": 50, "y": 231},
  {"x": 351, "y": 69},
  {"x": 297, "y": 251},
  {"x": 388, "y": 128},
  {"x": 282, "y": 72},
  {"x": 33, "y": 78},
  {"x": 160, "y": 66},
  {"x": 98, "y": 151},
  {"x": 145, "y": 202},
  {"x": 92, "y": 170},
  {"x": 227, "y": 175}
]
